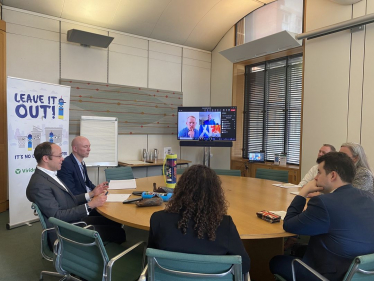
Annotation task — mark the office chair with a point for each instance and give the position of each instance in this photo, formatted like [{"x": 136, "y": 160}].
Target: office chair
[
  {"x": 361, "y": 269},
  {"x": 270, "y": 174},
  {"x": 119, "y": 173},
  {"x": 44, "y": 248},
  {"x": 80, "y": 251},
  {"x": 165, "y": 266},
  {"x": 180, "y": 171},
  {"x": 225, "y": 172},
  {"x": 46, "y": 252}
]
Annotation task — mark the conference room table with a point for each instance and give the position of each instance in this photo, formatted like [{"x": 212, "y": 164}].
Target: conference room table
[{"x": 245, "y": 196}]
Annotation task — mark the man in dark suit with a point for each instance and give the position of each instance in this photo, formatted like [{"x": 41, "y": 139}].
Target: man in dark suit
[
  {"x": 340, "y": 222},
  {"x": 55, "y": 200},
  {"x": 73, "y": 170}
]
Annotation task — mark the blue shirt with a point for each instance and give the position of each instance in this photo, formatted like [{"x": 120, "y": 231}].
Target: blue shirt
[
  {"x": 209, "y": 122},
  {"x": 184, "y": 133}
]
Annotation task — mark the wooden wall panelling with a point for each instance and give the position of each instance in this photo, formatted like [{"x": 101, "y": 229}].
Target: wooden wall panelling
[
  {"x": 139, "y": 110},
  {"x": 3, "y": 124}
]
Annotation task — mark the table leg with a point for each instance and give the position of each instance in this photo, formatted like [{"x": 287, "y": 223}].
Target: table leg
[{"x": 260, "y": 252}]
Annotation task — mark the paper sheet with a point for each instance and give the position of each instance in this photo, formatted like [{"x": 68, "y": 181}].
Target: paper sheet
[
  {"x": 286, "y": 185},
  {"x": 280, "y": 213},
  {"x": 117, "y": 197},
  {"x": 122, "y": 184},
  {"x": 295, "y": 192}
]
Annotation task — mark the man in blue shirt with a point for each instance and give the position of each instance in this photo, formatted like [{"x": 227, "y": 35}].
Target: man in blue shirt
[
  {"x": 210, "y": 121},
  {"x": 189, "y": 131}
]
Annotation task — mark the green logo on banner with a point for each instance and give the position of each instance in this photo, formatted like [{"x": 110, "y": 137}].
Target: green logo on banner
[{"x": 27, "y": 170}]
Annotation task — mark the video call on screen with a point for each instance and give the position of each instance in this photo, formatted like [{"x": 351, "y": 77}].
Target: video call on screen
[{"x": 207, "y": 123}]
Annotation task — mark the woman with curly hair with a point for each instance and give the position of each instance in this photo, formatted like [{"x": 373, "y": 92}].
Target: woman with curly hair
[
  {"x": 195, "y": 221},
  {"x": 364, "y": 176}
]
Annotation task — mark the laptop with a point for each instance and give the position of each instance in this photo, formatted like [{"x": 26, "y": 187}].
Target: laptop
[{"x": 256, "y": 157}]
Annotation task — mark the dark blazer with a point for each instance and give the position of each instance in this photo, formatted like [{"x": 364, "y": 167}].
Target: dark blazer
[
  {"x": 53, "y": 200},
  {"x": 341, "y": 226},
  {"x": 165, "y": 235},
  {"x": 71, "y": 176}
]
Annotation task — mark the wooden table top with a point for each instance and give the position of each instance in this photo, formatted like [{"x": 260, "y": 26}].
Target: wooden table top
[
  {"x": 158, "y": 162},
  {"x": 245, "y": 195}
]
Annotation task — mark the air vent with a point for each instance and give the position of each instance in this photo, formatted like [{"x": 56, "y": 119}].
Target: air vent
[
  {"x": 277, "y": 42},
  {"x": 89, "y": 39}
]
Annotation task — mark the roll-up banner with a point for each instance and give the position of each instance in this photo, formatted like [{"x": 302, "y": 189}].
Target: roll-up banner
[{"x": 37, "y": 112}]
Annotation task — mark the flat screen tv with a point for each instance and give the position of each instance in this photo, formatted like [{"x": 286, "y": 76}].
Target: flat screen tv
[{"x": 207, "y": 123}]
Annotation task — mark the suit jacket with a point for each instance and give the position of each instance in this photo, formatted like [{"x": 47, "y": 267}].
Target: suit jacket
[
  {"x": 165, "y": 235},
  {"x": 70, "y": 174},
  {"x": 341, "y": 226},
  {"x": 53, "y": 200}
]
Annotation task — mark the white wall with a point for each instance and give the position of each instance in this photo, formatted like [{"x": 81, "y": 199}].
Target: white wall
[
  {"x": 337, "y": 81},
  {"x": 37, "y": 49},
  {"x": 221, "y": 92}
]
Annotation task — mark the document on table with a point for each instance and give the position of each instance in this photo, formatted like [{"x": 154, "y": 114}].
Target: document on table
[
  {"x": 111, "y": 197},
  {"x": 295, "y": 192},
  {"x": 122, "y": 184},
  {"x": 286, "y": 185}
]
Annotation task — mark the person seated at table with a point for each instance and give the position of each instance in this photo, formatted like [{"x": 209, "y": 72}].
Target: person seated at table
[
  {"x": 326, "y": 148},
  {"x": 195, "y": 220},
  {"x": 340, "y": 222},
  {"x": 74, "y": 171},
  {"x": 54, "y": 199},
  {"x": 364, "y": 176}
]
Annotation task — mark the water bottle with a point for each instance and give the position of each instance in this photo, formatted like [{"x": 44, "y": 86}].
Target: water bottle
[
  {"x": 145, "y": 154},
  {"x": 155, "y": 154}
]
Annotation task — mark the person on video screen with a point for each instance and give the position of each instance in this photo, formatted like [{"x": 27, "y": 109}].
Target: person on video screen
[
  {"x": 209, "y": 121},
  {"x": 189, "y": 131}
]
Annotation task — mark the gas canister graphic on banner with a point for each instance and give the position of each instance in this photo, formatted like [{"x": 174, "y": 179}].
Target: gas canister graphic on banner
[{"x": 37, "y": 112}]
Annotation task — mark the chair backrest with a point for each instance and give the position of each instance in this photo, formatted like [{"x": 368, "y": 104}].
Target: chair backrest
[
  {"x": 180, "y": 171},
  {"x": 80, "y": 251},
  {"x": 119, "y": 173},
  {"x": 165, "y": 266},
  {"x": 224, "y": 172},
  {"x": 361, "y": 269},
  {"x": 45, "y": 250},
  {"x": 270, "y": 174}
]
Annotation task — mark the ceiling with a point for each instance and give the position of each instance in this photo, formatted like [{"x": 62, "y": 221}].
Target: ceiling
[{"x": 196, "y": 23}]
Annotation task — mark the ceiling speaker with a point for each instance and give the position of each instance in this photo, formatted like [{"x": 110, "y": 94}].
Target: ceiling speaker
[
  {"x": 345, "y": 2},
  {"x": 89, "y": 39}
]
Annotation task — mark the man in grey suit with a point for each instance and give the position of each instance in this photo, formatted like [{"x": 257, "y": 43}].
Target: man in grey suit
[{"x": 55, "y": 200}]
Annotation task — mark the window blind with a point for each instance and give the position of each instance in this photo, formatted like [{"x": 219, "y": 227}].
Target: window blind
[{"x": 272, "y": 108}]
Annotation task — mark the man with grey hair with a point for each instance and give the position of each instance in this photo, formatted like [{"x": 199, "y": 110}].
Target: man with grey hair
[{"x": 326, "y": 148}]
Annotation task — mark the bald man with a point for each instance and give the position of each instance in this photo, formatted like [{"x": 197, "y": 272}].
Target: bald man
[{"x": 73, "y": 170}]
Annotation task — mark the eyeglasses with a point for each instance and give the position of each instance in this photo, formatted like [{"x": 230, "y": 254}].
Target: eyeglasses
[{"x": 58, "y": 156}]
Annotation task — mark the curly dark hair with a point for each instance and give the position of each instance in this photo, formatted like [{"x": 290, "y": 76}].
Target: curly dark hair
[{"x": 199, "y": 196}]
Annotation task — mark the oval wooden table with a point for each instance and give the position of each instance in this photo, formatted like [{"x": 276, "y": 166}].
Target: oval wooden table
[{"x": 245, "y": 196}]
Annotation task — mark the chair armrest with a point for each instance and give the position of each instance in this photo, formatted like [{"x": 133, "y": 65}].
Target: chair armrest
[
  {"x": 143, "y": 275},
  {"x": 92, "y": 227},
  {"x": 79, "y": 222},
  {"x": 315, "y": 273},
  {"x": 114, "y": 259}
]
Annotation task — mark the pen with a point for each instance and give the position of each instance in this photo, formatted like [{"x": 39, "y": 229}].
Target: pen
[{"x": 106, "y": 193}]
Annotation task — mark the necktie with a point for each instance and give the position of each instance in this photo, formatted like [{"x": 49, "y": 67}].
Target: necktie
[{"x": 83, "y": 173}]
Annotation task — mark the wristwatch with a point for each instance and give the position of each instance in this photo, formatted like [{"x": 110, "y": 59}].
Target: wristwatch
[{"x": 89, "y": 209}]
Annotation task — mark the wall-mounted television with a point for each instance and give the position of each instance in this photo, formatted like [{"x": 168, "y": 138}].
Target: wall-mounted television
[{"x": 216, "y": 123}]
